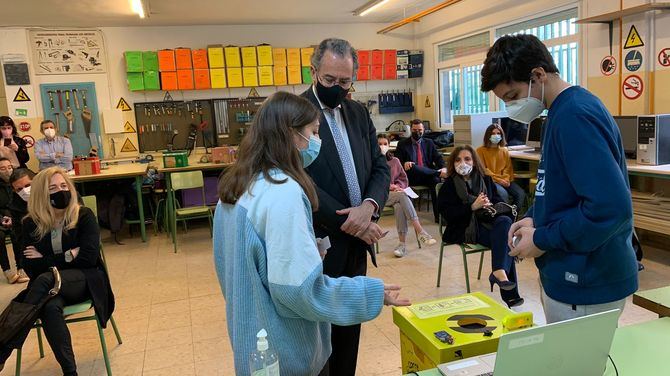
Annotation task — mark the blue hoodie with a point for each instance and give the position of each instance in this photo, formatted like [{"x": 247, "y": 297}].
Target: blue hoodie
[{"x": 583, "y": 211}]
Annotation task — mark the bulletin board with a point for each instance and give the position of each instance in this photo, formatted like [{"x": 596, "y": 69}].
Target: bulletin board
[
  {"x": 81, "y": 143},
  {"x": 68, "y": 51}
]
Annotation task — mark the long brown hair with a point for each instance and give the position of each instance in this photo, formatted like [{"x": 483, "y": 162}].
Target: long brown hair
[
  {"x": 489, "y": 132},
  {"x": 477, "y": 166},
  {"x": 268, "y": 145}
]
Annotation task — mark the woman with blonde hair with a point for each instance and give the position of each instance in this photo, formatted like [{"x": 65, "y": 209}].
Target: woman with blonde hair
[{"x": 59, "y": 232}]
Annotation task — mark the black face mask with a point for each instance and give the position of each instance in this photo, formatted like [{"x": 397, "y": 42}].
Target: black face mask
[
  {"x": 416, "y": 135},
  {"x": 331, "y": 96},
  {"x": 60, "y": 199}
]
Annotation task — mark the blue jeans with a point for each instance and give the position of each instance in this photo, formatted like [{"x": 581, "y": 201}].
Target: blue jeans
[
  {"x": 495, "y": 238},
  {"x": 514, "y": 190}
]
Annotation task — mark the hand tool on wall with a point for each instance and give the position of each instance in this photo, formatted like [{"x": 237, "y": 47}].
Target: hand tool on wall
[
  {"x": 86, "y": 115},
  {"x": 57, "y": 118},
  {"x": 60, "y": 101},
  {"x": 76, "y": 99},
  {"x": 51, "y": 99},
  {"x": 68, "y": 113}
]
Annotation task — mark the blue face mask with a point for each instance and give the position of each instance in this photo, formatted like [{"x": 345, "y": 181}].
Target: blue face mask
[
  {"x": 313, "y": 147},
  {"x": 495, "y": 139}
]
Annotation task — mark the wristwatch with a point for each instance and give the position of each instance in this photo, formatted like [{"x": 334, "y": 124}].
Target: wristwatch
[{"x": 68, "y": 256}]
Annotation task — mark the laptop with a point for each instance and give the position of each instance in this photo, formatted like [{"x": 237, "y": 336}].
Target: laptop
[{"x": 576, "y": 347}]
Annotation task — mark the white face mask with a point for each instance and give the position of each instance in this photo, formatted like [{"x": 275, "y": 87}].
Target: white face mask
[
  {"x": 463, "y": 169},
  {"x": 50, "y": 132},
  {"x": 525, "y": 110},
  {"x": 24, "y": 193},
  {"x": 495, "y": 139},
  {"x": 384, "y": 149}
]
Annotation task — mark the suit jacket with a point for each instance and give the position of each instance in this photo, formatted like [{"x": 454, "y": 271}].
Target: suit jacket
[
  {"x": 331, "y": 185},
  {"x": 432, "y": 159}
]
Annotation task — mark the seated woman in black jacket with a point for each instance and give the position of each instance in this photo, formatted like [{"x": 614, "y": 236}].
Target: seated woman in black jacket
[
  {"x": 59, "y": 232},
  {"x": 466, "y": 192}
]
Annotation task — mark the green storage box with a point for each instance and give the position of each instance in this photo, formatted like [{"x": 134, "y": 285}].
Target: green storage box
[
  {"x": 306, "y": 75},
  {"x": 173, "y": 159},
  {"x": 150, "y": 61},
  {"x": 135, "y": 81},
  {"x": 151, "y": 80},
  {"x": 133, "y": 61}
]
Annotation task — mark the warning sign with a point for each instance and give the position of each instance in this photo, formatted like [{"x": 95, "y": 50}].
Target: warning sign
[
  {"x": 253, "y": 93},
  {"x": 128, "y": 128},
  {"x": 634, "y": 39},
  {"x": 664, "y": 57},
  {"x": 633, "y": 60},
  {"x": 633, "y": 87},
  {"x": 608, "y": 66},
  {"x": 30, "y": 141},
  {"x": 128, "y": 146},
  {"x": 123, "y": 105},
  {"x": 24, "y": 126},
  {"x": 21, "y": 96}
]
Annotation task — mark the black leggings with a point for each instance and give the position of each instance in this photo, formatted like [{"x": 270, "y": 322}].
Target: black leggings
[
  {"x": 73, "y": 290},
  {"x": 4, "y": 258}
]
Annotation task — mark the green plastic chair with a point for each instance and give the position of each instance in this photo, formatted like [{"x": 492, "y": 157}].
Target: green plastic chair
[
  {"x": 466, "y": 249},
  {"x": 188, "y": 180},
  {"x": 75, "y": 309}
]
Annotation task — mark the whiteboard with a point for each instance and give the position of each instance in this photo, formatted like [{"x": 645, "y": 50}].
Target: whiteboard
[{"x": 68, "y": 51}]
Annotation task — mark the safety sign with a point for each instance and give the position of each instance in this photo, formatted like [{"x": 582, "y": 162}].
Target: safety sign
[
  {"x": 634, "y": 39},
  {"x": 608, "y": 66},
  {"x": 633, "y": 87},
  {"x": 664, "y": 57},
  {"x": 633, "y": 60}
]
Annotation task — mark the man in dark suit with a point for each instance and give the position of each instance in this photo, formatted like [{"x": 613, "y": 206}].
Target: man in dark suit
[
  {"x": 422, "y": 162},
  {"x": 352, "y": 181}
]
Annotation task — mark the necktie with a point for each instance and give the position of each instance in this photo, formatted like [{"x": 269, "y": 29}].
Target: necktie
[
  {"x": 419, "y": 155},
  {"x": 347, "y": 165}
]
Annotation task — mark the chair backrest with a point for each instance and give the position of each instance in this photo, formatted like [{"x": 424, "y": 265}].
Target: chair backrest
[
  {"x": 91, "y": 203},
  {"x": 186, "y": 180}
]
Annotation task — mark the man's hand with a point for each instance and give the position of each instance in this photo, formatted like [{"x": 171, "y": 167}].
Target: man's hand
[
  {"x": 31, "y": 253},
  {"x": 526, "y": 222},
  {"x": 74, "y": 252},
  {"x": 408, "y": 165},
  {"x": 391, "y": 296},
  {"x": 371, "y": 234},
  {"x": 358, "y": 218},
  {"x": 59, "y": 155},
  {"x": 443, "y": 172},
  {"x": 525, "y": 247}
]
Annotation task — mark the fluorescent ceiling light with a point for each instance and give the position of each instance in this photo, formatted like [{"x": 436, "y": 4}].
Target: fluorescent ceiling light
[
  {"x": 137, "y": 7},
  {"x": 369, "y": 7}
]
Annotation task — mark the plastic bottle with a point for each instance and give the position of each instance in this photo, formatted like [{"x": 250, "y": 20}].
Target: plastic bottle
[{"x": 264, "y": 361}]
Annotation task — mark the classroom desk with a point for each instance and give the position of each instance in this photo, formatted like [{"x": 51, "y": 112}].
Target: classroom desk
[
  {"x": 656, "y": 300},
  {"x": 123, "y": 171},
  {"x": 639, "y": 349}
]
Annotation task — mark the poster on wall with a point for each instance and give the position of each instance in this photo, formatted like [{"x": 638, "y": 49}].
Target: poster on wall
[{"x": 68, "y": 51}]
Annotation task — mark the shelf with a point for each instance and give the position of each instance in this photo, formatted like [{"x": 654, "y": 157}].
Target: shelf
[
  {"x": 651, "y": 224},
  {"x": 609, "y": 17}
]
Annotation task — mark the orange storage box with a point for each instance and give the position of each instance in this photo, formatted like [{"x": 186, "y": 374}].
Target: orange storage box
[
  {"x": 390, "y": 72},
  {"x": 363, "y": 73},
  {"x": 201, "y": 78},
  {"x": 390, "y": 57},
  {"x": 183, "y": 58},
  {"x": 377, "y": 57},
  {"x": 377, "y": 72},
  {"x": 166, "y": 61},
  {"x": 185, "y": 79},
  {"x": 363, "y": 57},
  {"x": 200, "y": 59},
  {"x": 169, "y": 80}
]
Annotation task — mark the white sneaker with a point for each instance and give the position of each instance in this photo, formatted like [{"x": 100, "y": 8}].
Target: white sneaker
[
  {"x": 426, "y": 239},
  {"x": 400, "y": 250}
]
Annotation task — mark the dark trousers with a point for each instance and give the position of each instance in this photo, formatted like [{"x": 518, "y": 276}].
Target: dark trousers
[
  {"x": 515, "y": 191},
  {"x": 495, "y": 238},
  {"x": 18, "y": 253},
  {"x": 345, "y": 339},
  {"x": 427, "y": 177},
  {"x": 73, "y": 290}
]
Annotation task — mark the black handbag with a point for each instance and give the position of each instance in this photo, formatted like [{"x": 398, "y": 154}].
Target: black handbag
[
  {"x": 489, "y": 213},
  {"x": 19, "y": 315}
]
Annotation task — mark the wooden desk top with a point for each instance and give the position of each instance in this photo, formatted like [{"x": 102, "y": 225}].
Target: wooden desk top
[
  {"x": 194, "y": 164},
  {"x": 656, "y": 300},
  {"x": 126, "y": 170}
]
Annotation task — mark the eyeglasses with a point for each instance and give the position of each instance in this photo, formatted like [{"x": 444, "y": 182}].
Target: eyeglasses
[{"x": 329, "y": 81}]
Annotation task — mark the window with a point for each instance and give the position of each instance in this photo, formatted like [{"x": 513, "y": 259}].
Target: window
[
  {"x": 464, "y": 47},
  {"x": 475, "y": 102},
  {"x": 450, "y": 94}
]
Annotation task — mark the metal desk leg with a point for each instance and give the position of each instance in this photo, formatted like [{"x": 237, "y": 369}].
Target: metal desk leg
[
  {"x": 170, "y": 205},
  {"x": 140, "y": 203}
]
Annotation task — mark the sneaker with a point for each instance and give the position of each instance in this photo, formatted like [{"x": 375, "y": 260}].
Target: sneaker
[
  {"x": 400, "y": 250},
  {"x": 11, "y": 276},
  {"x": 426, "y": 239},
  {"x": 23, "y": 277}
]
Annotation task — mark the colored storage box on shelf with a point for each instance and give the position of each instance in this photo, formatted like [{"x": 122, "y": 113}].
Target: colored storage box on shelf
[
  {"x": 306, "y": 75},
  {"x": 293, "y": 57},
  {"x": 402, "y": 73},
  {"x": 416, "y": 57},
  {"x": 166, "y": 61},
  {"x": 250, "y": 76},
  {"x": 376, "y": 72},
  {"x": 133, "y": 61},
  {"x": 135, "y": 81},
  {"x": 390, "y": 72},
  {"x": 377, "y": 57},
  {"x": 363, "y": 57},
  {"x": 390, "y": 57},
  {"x": 183, "y": 58},
  {"x": 215, "y": 56},
  {"x": 234, "y": 76},
  {"x": 150, "y": 61},
  {"x": 233, "y": 58},
  {"x": 151, "y": 80},
  {"x": 279, "y": 57},
  {"x": 265, "y": 76},
  {"x": 280, "y": 76},
  {"x": 363, "y": 73},
  {"x": 169, "y": 80},
  {"x": 306, "y": 56},
  {"x": 86, "y": 166},
  {"x": 201, "y": 79},
  {"x": 264, "y": 52},
  {"x": 185, "y": 79},
  {"x": 294, "y": 73},
  {"x": 249, "y": 57},
  {"x": 217, "y": 78},
  {"x": 200, "y": 59},
  {"x": 175, "y": 159}
]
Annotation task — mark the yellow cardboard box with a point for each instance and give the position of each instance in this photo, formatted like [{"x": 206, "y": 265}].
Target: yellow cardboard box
[
  {"x": 215, "y": 56},
  {"x": 234, "y": 77},
  {"x": 233, "y": 59},
  {"x": 306, "y": 56},
  {"x": 293, "y": 57},
  {"x": 264, "y": 52},
  {"x": 249, "y": 58},
  {"x": 280, "y": 77},
  {"x": 265, "y": 76},
  {"x": 279, "y": 57},
  {"x": 250, "y": 76},
  {"x": 217, "y": 77},
  {"x": 294, "y": 74}
]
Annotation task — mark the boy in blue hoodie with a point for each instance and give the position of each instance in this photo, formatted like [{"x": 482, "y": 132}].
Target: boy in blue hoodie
[{"x": 580, "y": 226}]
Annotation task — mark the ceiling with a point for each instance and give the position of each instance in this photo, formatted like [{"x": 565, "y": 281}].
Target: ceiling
[{"x": 87, "y": 13}]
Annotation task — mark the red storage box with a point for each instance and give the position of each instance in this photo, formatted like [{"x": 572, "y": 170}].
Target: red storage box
[
  {"x": 390, "y": 72},
  {"x": 86, "y": 166},
  {"x": 166, "y": 61},
  {"x": 377, "y": 72},
  {"x": 363, "y": 57},
  {"x": 363, "y": 73},
  {"x": 377, "y": 57},
  {"x": 390, "y": 57}
]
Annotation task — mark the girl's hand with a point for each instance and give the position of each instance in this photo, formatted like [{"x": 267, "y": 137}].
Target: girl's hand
[{"x": 14, "y": 146}]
